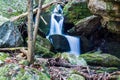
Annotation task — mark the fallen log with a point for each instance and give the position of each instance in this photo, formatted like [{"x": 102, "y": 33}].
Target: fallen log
[
  {"x": 12, "y": 49},
  {"x": 34, "y": 11}
]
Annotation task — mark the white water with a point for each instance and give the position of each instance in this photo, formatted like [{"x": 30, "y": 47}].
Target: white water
[{"x": 56, "y": 28}]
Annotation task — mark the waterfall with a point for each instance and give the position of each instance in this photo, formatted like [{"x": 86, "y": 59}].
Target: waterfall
[{"x": 56, "y": 27}]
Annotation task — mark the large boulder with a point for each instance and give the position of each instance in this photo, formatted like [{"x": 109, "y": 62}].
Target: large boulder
[
  {"x": 60, "y": 43},
  {"x": 110, "y": 12},
  {"x": 75, "y": 10},
  {"x": 86, "y": 26},
  {"x": 10, "y": 35},
  {"x": 43, "y": 47},
  {"x": 72, "y": 59},
  {"x": 101, "y": 59}
]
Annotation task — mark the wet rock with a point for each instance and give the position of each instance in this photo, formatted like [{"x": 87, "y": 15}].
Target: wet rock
[
  {"x": 10, "y": 35},
  {"x": 86, "y": 26},
  {"x": 101, "y": 59},
  {"x": 75, "y": 77},
  {"x": 110, "y": 12},
  {"x": 60, "y": 43},
  {"x": 72, "y": 59}
]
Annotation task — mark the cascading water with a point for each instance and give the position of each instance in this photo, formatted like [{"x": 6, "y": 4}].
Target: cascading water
[{"x": 57, "y": 26}]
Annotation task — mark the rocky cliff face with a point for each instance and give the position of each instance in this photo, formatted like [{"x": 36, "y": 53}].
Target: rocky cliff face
[{"x": 110, "y": 12}]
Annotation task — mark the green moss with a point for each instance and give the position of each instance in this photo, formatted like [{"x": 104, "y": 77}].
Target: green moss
[
  {"x": 71, "y": 58},
  {"x": 75, "y": 77},
  {"x": 43, "y": 47},
  {"x": 101, "y": 59},
  {"x": 14, "y": 72},
  {"x": 43, "y": 52},
  {"x": 3, "y": 56},
  {"x": 76, "y": 11}
]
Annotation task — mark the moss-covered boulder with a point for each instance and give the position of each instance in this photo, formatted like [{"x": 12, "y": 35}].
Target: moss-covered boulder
[
  {"x": 101, "y": 59},
  {"x": 72, "y": 59},
  {"x": 75, "y": 10},
  {"x": 75, "y": 77},
  {"x": 14, "y": 71},
  {"x": 43, "y": 47}
]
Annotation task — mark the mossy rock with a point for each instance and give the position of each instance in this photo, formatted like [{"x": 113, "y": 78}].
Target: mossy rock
[
  {"x": 43, "y": 42},
  {"x": 107, "y": 69},
  {"x": 101, "y": 59},
  {"x": 75, "y": 77},
  {"x": 71, "y": 58},
  {"x": 14, "y": 71},
  {"x": 43, "y": 47},
  {"x": 75, "y": 11}
]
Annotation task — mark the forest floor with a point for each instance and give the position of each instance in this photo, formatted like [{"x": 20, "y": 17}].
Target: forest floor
[{"x": 60, "y": 69}]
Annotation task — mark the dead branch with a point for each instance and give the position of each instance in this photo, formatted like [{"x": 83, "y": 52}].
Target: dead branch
[{"x": 11, "y": 49}]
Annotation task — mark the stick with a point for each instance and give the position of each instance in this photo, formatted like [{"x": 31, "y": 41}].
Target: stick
[{"x": 43, "y": 20}]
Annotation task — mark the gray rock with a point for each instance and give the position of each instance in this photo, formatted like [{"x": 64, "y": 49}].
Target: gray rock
[
  {"x": 86, "y": 26},
  {"x": 9, "y": 35}
]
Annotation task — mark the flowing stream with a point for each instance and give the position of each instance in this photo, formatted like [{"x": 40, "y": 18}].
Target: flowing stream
[{"x": 56, "y": 27}]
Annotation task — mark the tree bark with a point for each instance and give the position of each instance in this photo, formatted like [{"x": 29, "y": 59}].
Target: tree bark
[
  {"x": 37, "y": 22},
  {"x": 30, "y": 55}
]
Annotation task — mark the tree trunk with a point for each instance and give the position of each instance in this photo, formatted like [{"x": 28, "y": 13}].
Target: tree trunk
[
  {"x": 37, "y": 22},
  {"x": 30, "y": 55}
]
